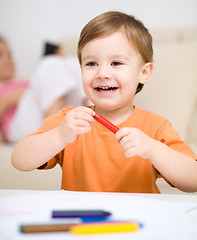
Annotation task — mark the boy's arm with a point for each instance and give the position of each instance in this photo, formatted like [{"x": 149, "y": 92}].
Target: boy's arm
[
  {"x": 179, "y": 169},
  {"x": 33, "y": 151}
]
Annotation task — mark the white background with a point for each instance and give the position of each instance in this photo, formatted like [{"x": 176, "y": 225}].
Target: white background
[{"x": 26, "y": 24}]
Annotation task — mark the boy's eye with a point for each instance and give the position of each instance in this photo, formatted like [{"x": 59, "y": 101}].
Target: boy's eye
[
  {"x": 116, "y": 63},
  {"x": 91, "y": 64}
]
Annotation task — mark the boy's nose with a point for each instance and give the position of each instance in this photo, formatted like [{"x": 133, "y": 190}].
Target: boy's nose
[{"x": 103, "y": 72}]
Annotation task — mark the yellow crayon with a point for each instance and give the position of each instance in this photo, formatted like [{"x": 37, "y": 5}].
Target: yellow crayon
[{"x": 104, "y": 227}]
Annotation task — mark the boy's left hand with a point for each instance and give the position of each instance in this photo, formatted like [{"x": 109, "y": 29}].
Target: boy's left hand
[{"x": 135, "y": 142}]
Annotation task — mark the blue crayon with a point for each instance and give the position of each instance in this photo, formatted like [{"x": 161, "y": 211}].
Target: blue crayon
[{"x": 80, "y": 213}]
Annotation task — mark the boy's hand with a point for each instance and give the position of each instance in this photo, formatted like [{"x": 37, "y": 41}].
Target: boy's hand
[
  {"x": 135, "y": 142},
  {"x": 77, "y": 121}
]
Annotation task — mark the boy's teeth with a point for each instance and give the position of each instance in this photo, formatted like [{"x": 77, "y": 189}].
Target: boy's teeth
[{"x": 106, "y": 88}]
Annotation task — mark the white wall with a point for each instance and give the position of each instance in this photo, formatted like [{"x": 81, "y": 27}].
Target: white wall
[{"x": 28, "y": 23}]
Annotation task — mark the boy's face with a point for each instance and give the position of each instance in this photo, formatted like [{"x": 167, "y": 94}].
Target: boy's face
[
  {"x": 6, "y": 63},
  {"x": 111, "y": 71}
]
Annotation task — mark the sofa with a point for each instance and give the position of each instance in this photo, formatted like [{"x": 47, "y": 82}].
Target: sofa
[{"x": 171, "y": 92}]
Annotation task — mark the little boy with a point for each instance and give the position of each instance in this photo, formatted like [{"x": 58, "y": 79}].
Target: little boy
[{"x": 115, "y": 54}]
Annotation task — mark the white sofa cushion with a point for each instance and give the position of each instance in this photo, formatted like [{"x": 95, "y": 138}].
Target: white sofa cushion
[{"x": 171, "y": 91}]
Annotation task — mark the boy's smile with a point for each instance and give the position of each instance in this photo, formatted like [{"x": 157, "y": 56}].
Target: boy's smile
[
  {"x": 106, "y": 90},
  {"x": 111, "y": 71}
]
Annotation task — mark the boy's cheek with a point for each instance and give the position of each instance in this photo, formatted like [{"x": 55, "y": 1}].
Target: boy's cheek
[{"x": 87, "y": 80}]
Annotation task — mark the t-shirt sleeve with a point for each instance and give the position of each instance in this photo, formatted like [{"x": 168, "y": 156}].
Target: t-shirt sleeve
[
  {"x": 48, "y": 124},
  {"x": 168, "y": 135}
]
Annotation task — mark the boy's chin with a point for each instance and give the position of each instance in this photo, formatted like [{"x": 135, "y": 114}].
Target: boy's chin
[{"x": 106, "y": 107}]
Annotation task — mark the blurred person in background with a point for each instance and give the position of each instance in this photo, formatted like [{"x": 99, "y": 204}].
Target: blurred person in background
[
  {"x": 56, "y": 82},
  {"x": 10, "y": 89}
]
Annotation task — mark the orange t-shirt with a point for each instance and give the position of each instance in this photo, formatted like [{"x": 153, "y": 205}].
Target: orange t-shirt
[{"x": 96, "y": 162}]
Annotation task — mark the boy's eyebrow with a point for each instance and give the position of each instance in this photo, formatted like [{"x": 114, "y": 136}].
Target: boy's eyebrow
[
  {"x": 120, "y": 56},
  {"x": 116, "y": 56},
  {"x": 87, "y": 57}
]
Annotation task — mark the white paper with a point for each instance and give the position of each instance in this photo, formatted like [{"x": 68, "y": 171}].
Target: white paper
[{"x": 161, "y": 219}]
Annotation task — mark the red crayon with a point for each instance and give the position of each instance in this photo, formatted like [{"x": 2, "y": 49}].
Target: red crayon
[{"x": 106, "y": 123}]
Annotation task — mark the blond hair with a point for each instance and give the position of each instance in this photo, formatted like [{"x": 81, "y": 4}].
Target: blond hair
[{"x": 110, "y": 22}]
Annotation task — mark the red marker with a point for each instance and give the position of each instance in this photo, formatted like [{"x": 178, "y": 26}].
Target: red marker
[{"x": 106, "y": 123}]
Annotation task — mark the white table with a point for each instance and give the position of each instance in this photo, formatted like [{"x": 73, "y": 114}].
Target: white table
[{"x": 164, "y": 216}]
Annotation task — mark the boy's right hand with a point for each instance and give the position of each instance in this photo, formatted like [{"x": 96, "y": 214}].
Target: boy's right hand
[{"x": 77, "y": 121}]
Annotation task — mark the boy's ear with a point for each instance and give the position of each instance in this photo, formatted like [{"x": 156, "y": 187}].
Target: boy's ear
[{"x": 146, "y": 72}]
